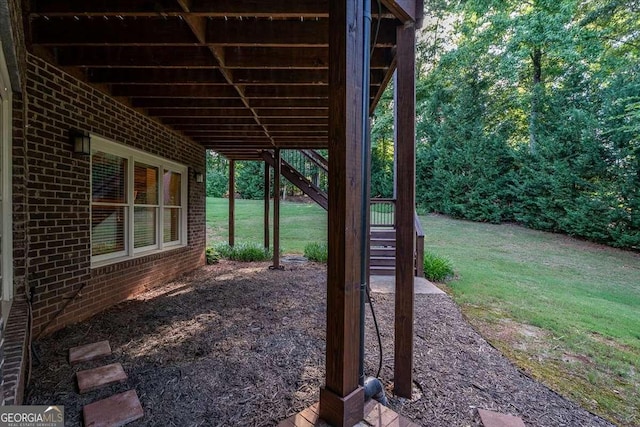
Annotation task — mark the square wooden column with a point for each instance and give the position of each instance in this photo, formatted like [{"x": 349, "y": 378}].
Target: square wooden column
[
  {"x": 276, "y": 210},
  {"x": 267, "y": 193},
  {"x": 232, "y": 202},
  {"x": 404, "y": 91},
  {"x": 342, "y": 400}
]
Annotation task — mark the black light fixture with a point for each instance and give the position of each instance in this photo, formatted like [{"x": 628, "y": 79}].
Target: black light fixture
[
  {"x": 81, "y": 141},
  {"x": 199, "y": 177}
]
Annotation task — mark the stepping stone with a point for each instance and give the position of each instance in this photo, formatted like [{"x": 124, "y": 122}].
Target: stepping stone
[
  {"x": 93, "y": 379},
  {"x": 88, "y": 352},
  {"x": 113, "y": 411},
  {"x": 495, "y": 419}
]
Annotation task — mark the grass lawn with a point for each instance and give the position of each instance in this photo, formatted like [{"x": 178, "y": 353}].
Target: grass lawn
[
  {"x": 300, "y": 223},
  {"x": 566, "y": 311}
]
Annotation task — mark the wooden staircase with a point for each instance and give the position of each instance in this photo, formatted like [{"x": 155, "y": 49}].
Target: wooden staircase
[{"x": 382, "y": 258}]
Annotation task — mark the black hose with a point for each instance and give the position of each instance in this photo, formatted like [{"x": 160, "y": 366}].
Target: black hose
[{"x": 364, "y": 203}]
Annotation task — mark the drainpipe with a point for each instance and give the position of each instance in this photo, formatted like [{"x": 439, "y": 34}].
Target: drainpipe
[{"x": 366, "y": 148}]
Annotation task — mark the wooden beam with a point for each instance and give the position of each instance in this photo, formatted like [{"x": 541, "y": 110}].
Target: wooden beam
[
  {"x": 276, "y": 211},
  {"x": 176, "y": 31},
  {"x": 135, "y": 57},
  {"x": 404, "y": 10},
  {"x": 171, "y": 91},
  {"x": 282, "y": 77},
  {"x": 208, "y": 122},
  {"x": 172, "y": 76},
  {"x": 267, "y": 192},
  {"x": 203, "y": 112},
  {"x": 79, "y": 30},
  {"x": 187, "y": 103},
  {"x": 291, "y": 57},
  {"x": 342, "y": 400},
  {"x": 404, "y": 126},
  {"x": 300, "y": 92},
  {"x": 232, "y": 202}
]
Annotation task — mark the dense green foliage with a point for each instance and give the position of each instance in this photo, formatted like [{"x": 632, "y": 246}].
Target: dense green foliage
[
  {"x": 437, "y": 268},
  {"x": 212, "y": 256},
  {"x": 530, "y": 112},
  {"x": 318, "y": 252},
  {"x": 245, "y": 252}
]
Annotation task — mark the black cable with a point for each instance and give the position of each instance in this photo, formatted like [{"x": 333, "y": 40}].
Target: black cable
[{"x": 375, "y": 323}]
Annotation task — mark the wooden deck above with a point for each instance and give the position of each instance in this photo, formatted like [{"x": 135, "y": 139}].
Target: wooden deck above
[{"x": 231, "y": 75}]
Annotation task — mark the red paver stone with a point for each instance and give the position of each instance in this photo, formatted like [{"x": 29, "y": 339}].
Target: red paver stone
[
  {"x": 495, "y": 419},
  {"x": 93, "y": 379},
  {"x": 88, "y": 352},
  {"x": 114, "y": 411}
]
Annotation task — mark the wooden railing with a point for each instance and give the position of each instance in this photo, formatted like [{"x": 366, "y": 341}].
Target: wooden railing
[
  {"x": 383, "y": 213},
  {"x": 419, "y": 242},
  {"x": 310, "y": 167}
]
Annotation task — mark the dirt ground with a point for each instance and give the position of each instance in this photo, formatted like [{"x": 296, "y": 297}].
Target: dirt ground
[{"x": 235, "y": 344}]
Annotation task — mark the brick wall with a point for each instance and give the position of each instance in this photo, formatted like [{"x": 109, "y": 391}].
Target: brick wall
[{"x": 58, "y": 199}]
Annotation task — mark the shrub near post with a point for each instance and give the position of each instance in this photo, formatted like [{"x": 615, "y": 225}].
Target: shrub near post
[{"x": 437, "y": 268}]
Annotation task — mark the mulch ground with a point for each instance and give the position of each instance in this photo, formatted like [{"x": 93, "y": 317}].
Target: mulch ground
[{"x": 235, "y": 344}]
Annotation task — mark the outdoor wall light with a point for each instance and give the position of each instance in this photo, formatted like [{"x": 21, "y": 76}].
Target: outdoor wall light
[
  {"x": 81, "y": 141},
  {"x": 199, "y": 177}
]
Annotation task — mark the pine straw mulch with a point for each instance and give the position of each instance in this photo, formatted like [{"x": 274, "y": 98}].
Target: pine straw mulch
[{"x": 238, "y": 345}]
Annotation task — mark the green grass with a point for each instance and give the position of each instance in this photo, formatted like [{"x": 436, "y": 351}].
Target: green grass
[
  {"x": 585, "y": 299},
  {"x": 246, "y": 252},
  {"x": 300, "y": 223},
  {"x": 318, "y": 252},
  {"x": 564, "y": 310}
]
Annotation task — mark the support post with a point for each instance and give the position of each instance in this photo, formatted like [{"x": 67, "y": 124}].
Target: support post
[
  {"x": 232, "y": 202},
  {"x": 267, "y": 191},
  {"x": 276, "y": 211},
  {"x": 341, "y": 399},
  {"x": 404, "y": 90}
]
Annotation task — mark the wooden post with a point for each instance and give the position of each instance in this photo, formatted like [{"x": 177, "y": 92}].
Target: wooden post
[
  {"x": 341, "y": 399},
  {"x": 276, "y": 211},
  {"x": 404, "y": 89},
  {"x": 267, "y": 190},
  {"x": 232, "y": 202}
]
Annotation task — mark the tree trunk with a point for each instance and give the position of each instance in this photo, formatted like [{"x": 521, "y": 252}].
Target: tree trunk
[{"x": 536, "y": 91}]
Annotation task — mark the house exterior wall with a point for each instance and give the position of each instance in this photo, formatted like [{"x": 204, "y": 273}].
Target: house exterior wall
[
  {"x": 58, "y": 198},
  {"x": 52, "y": 212}
]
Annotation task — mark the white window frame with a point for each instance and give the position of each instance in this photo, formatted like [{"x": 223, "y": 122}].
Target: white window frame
[
  {"x": 6, "y": 184},
  {"x": 132, "y": 155}
]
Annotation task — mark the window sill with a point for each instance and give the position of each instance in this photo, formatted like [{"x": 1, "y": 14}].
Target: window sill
[{"x": 120, "y": 259}]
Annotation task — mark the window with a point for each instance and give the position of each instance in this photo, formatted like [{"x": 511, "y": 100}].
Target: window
[{"x": 138, "y": 202}]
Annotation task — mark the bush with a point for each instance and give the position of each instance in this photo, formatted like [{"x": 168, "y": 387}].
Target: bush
[
  {"x": 212, "y": 256},
  {"x": 317, "y": 252},
  {"x": 437, "y": 268},
  {"x": 244, "y": 252}
]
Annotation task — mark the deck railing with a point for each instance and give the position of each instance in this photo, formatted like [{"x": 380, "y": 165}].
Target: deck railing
[
  {"x": 383, "y": 213},
  {"x": 419, "y": 242},
  {"x": 308, "y": 166}
]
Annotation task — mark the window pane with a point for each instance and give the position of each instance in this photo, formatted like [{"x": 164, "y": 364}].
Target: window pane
[
  {"x": 145, "y": 190},
  {"x": 172, "y": 224},
  {"x": 107, "y": 229},
  {"x": 108, "y": 178},
  {"x": 144, "y": 227},
  {"x": 172, "y": 187}
]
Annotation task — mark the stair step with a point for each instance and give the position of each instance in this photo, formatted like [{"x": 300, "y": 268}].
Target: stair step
[
  {"x": 383, "y": 234},
  {"x": 93, "y": 379},
  {"x": 382, "y": 271},
  {"x": 383, "y": 242},
  {"x": 114, "y": 411},
  {"x": 381, "y": 252},
  {"x": 85, "y": 353},
  {"x": 381, "y": 261}
]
